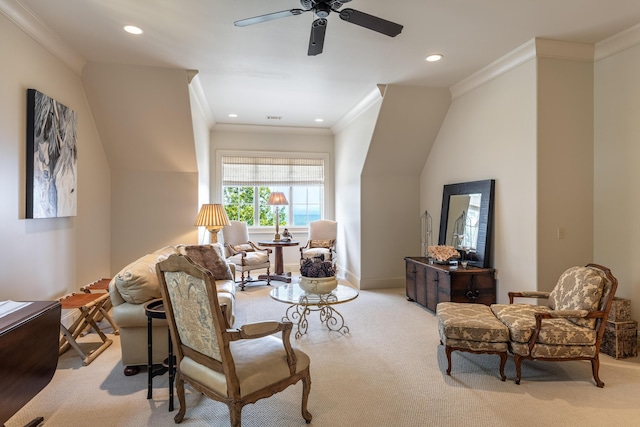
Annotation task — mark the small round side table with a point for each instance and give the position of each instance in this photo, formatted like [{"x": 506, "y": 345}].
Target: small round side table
[{"x": 154, "y": 309}]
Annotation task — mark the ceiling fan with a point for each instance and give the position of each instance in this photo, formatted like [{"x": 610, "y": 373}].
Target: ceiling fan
[{"x": 321, "y": 9}]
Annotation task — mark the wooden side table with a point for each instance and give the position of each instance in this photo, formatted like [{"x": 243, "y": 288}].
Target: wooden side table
[
  {"x": 279, "y": 275},
  {"x": 154, "y": 309},
  {"x": 29, "y": 354}
]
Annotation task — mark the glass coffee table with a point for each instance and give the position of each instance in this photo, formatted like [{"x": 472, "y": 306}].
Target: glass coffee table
[{"x": 303, "y": 303}]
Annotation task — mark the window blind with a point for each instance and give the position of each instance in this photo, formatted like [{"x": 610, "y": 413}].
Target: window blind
[{"x": 271, "y": 171}]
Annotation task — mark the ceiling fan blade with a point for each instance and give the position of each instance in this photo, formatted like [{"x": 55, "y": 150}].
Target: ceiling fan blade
[
  {"x": 316, "y": 40},
  {"x": 268, "y": 17},
  {"x": 371, "y": 22}
]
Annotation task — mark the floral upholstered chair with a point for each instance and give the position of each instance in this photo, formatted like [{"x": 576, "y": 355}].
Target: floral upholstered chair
[
  {"x": 243, "y": 253},
  {"x": 569, "y": 327},
  {"x": 233, "y": 366},
  {"x": 322, "y": 240}
]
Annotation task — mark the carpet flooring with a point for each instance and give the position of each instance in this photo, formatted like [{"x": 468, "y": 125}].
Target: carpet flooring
[{"x": 389, "y": 370}]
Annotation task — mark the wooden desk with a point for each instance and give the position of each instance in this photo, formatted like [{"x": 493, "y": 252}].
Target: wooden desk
[
  {"x": 280, "y": 274},
  {"x": 29, "y": 354}
]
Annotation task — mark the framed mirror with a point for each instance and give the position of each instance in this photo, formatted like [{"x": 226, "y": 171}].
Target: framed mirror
[{"x": 466, "y": 220}]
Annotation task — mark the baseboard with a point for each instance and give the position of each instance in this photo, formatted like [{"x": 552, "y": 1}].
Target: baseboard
[{"x": 69, "y": 316}]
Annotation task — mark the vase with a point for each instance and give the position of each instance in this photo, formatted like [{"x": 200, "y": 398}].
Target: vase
[{"x": 318, "y": 285}]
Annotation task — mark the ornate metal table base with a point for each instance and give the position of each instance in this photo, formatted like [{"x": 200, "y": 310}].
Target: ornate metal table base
[{"x": 329, "y": 316}]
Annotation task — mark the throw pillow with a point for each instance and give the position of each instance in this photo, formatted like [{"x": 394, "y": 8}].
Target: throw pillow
[
  {"x": 210, "y": 257},
  {"x": 138, "y": 282},
  {"x": 327, "y": 244}
]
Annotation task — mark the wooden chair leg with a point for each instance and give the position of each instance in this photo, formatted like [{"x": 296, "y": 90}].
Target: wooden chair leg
[
  {"x": 235, "y": 412},
  {"x": 518, "y": 359},
  {"x": 595, "y": 368},
  {"x": 306, "y": 388},
  {"x": 181, "y": 398},
  {"x": 448, "y": 351},
  {"x": 503, "y": 362}
]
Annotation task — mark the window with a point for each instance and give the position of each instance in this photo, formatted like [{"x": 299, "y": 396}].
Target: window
[{"x": 248, "y": 181}]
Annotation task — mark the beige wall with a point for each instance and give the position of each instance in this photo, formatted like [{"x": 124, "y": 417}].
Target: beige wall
[
  {"x": 407, "y": 125},
  {"x": 275, "y": 139},
  {"x": 47, "y": 258},
  {"x": 351, "y": 146},
  {"x": 616, "y": 170},
  {"x": 565, "y": 167},
  {"x": 145, "y": 122},
  {"x": 490, "y": 133}
]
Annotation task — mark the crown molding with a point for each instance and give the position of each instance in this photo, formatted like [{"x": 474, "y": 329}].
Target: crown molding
[
  {"x": 196, "y": 90},
  {"x": 518, "y": 56},
  {"x": 618, "y": 42},
  {"x": 537, "y": 47},
  {"x": 371, "y": 98},
  {"x": 34, "y": 27},
  {"x": 227, "y": 127}
]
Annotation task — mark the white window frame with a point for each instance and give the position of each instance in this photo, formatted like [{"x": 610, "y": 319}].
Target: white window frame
[{"x": 328, "y": 181}]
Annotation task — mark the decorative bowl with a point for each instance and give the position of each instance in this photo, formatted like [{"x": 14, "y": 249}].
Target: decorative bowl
[{"x": 318, "y": 285}]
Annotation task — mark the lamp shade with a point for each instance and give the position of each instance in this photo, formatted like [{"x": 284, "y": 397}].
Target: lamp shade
[
  {"x": 212, "y": 215},
  {"x": 277, "y": 198}
]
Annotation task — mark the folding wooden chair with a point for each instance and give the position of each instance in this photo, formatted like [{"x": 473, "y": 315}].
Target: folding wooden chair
[
  {"x": 102, "y": 286},
  {"x": 89, "y": 305}
]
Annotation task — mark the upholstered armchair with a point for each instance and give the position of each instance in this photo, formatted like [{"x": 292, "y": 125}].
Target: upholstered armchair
[
  {"x": 322, "y": 240},
  {"x": 233, "y": 366},
  {"x": 569, "y": 327},
  {"x": 243, "y": 253}
]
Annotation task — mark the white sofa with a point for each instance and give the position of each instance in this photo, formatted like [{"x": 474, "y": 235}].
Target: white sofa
[{"x": 137, "y": 283}]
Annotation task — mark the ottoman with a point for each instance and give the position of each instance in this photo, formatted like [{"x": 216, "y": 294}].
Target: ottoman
[{"x": 472, "y": 328}]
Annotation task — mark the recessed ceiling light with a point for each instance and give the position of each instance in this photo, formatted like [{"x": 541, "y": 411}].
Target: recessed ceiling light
[
  {"x": 233, "y": 115},
  {"x": 435, "y": 57},
  {"x": 132, "y": 29},
  {"x": 319, "y": 120}
]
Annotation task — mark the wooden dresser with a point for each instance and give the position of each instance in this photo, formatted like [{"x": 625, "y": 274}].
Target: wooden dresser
[{"x": 429, "y": 284}]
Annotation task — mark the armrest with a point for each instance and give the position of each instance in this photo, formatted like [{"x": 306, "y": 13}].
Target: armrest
[
  {"x": 306, "y": 246},
  {"x": 259, "y": 329},
  {"x": 555, "y": 314},
  {"x": 258, "y": 248},
  {"x": 263, "y": 329},
  {"x": 527, "y": 294}
]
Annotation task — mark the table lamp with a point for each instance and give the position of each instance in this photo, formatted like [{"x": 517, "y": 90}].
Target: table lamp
[
  {"x": 213, "y": 217},
  {"x": 277, "y": 199}
]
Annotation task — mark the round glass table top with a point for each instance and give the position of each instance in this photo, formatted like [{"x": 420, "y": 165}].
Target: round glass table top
[{"x": 292, "y": 293}]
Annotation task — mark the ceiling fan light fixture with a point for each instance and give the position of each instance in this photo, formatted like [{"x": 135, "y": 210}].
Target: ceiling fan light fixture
[
  {"x": 435, "y": 57},
  {"x": 132, "y": 29}
]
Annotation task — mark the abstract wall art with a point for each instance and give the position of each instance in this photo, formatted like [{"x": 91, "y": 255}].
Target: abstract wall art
[{"x": 52, "y": 158}]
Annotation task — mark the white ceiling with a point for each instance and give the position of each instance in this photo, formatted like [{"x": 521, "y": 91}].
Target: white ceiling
[{"x": 263, "y": 70}]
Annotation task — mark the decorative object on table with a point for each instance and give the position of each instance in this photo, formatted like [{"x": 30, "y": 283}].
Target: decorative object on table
[
  {"x": 443, "y": 253},
  {"x": 214, "y": 218},
  {"x": 52, "y": 158},
  {"x": 286, "y": 235},
  {"x": 426, "y": 232},
  {"x": 317, "y": 276},
  {"x": 277, "y": 199}
]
